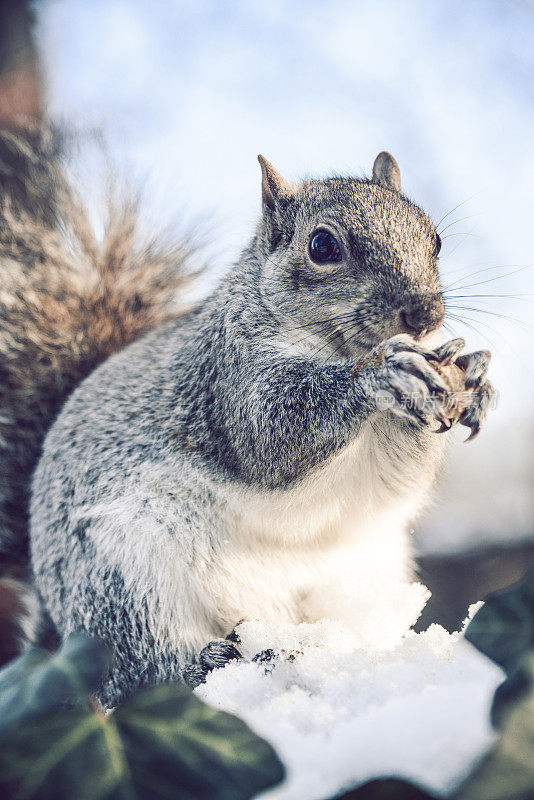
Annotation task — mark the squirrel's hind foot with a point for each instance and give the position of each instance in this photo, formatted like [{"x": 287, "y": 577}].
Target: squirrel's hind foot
[{"x": 214, "y": 655}]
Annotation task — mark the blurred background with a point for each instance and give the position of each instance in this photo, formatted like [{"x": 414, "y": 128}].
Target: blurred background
[{"x": 186, "y": 93}]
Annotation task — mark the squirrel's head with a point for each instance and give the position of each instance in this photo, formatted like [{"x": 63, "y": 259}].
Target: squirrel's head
[{"x": 347, "y": 262}]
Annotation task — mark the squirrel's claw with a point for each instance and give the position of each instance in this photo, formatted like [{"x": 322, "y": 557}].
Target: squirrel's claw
[
  {"x": 474, "y": 432},
  {"x": 445, "y": 425},
  {"x": 447, "y": 353}
]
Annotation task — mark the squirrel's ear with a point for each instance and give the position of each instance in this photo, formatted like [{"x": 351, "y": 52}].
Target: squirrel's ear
[
  {"x": 386, "y": 171},
  {"x": 273, "y": 186}
]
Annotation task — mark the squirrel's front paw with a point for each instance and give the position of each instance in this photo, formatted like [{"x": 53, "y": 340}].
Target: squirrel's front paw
[
  {"x": 399, "y": 377},
  {"x": 214, "y": 655},
  {"x": 426, "y": 385}
]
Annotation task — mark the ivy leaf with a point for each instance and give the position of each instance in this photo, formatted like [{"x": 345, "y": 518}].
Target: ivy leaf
[
  {"x": 386, "y": 789},
  {"x": 37, "y": 682},
  {"x": 503, "y": 628},
  {"x": 162, "y": 743},
  {"x": 212, "y": 754},
  {"x": 508, "y": 772}
]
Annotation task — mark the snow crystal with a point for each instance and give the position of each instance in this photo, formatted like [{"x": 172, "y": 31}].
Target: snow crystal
[{"x": 343, "y": 706}]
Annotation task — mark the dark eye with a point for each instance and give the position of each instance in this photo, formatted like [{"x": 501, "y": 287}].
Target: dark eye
[
  {"x": 438, "y": 244},
  {"x": 324, "y": 248}
]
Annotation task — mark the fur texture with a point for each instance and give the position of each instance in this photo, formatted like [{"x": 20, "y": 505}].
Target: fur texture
[
  {"x": 68, "y": 299},
  {"x": 236, "y": 462}
]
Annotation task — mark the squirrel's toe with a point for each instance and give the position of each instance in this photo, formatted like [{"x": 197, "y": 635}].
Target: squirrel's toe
[
  {"x": 218, "y": 653},
  {"x": 195, "y": 674}
]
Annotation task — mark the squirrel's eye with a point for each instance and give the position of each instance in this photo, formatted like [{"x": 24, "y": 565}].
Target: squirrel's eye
[
  {"x": 324, "y": 248},
  {"x": 438, "y": 244}
]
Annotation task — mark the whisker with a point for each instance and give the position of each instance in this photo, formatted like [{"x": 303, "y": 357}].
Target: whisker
[
  {"x": 497, "y": 278},
  {"x": 512, "y": 349},
  {"x": 477, "y": 272},
  {"x": 358, "y": 326},
  {"x": 492, "y": 329},
  {"x": 338, "y": 318},
  {"x": 455, "y": 248},
  {"x": 456, "y": 221},
  {"x": 493, "y": 296},
  {"x": 448, "y": 328},
  {"x": 310, "y": 336},
  {"x": 461, "y": 233},
  {"x": 467, "y": 322},
  {"x": 331, "y": 334},
  {"x": 328, "y": 342},
  {"x": 507, "y": 317},
  {"x": 455, "y": 209},
  {"x": 349, "y": 340},
  {"x": 325, "y": 326}
]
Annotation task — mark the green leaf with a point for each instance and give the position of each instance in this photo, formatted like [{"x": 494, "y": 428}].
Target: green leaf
[
  {"x": 508, "y": 772},
  {"x": 37, "y": 682},
  {"x": 212, "y": 754},
  {"x": 387, "y": 789},
  {"x": 503, "y": 628},
  {"x": 162, "y": 743}
]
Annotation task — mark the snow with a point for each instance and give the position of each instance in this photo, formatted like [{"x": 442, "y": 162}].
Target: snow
[{"x": 342, "y": 706}]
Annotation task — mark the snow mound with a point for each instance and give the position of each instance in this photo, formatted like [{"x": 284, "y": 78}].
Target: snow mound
[{"x": 342, "y": 706}]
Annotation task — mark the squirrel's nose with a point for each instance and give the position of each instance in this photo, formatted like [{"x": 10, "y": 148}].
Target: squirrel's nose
[
  {"x": 412, "y": 323},
  {"x": 421, "y": 319}
]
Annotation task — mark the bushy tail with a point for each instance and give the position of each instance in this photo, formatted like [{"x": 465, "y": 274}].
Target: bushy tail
[{"x": 68, "y": 299}]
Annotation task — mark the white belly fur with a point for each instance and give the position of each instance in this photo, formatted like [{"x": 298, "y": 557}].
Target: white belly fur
[
  {"x": 343, "y": 527},
  {"x": 264, "y": 554}
]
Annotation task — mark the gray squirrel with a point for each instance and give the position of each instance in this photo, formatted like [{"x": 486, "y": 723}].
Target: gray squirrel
[{"x": 242, "y": 460}]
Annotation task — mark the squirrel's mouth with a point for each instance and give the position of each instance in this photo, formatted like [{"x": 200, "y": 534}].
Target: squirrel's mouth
[{"x": 432, "y": 339}]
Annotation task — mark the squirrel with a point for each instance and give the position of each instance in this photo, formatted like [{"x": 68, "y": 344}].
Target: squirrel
[{"x": 248, "y": 457}]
